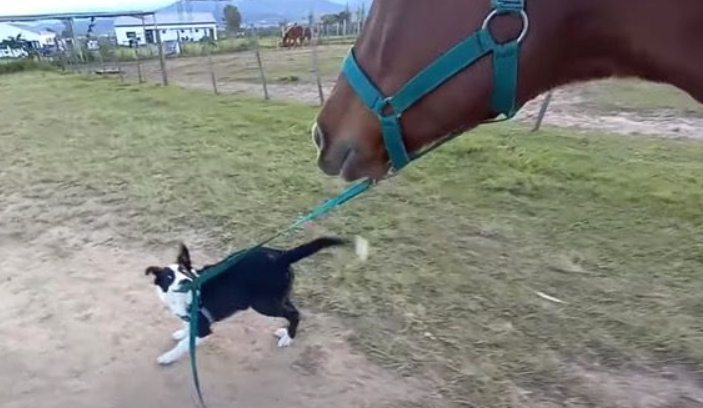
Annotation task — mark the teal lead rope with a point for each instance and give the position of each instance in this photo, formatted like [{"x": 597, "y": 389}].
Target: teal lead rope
[{"x": 214, "y": 270}]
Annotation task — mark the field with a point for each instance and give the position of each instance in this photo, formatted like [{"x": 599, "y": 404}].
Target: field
[
  {"x": 509, "y": 269},
  {"x": 624, "y": 107}
]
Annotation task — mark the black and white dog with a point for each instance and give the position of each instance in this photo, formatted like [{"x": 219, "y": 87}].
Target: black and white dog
[{"x": 262, "y": 280}]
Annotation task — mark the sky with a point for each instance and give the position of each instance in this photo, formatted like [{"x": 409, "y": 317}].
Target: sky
[
  {"x": 20, "y": 7},
  {"x": 15, "y": 7}
]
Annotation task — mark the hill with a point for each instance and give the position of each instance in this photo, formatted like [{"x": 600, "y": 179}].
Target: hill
[
  {"x": 256, "y": 12},
  {"x": 260, "y": 12}
]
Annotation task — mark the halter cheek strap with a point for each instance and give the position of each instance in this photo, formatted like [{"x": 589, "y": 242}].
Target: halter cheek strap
[{"x": 389, "y": 110}]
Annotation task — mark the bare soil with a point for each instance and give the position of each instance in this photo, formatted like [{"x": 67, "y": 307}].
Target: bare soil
[{"x": 80, "y": 326}]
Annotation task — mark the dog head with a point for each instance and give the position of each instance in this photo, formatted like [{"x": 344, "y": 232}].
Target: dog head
[{"x": 169, "y": 279}]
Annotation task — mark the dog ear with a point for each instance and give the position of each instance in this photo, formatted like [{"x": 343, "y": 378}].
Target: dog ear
[
  {"x": 153, "y": 270},
  {"x": 184, "y": 258}
]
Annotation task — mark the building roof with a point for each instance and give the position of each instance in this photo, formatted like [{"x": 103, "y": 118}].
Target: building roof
[
  {"x": 35, "y": 30},
  {"x": 167, "y": 19},
  {"x": 30, "y": 33}
]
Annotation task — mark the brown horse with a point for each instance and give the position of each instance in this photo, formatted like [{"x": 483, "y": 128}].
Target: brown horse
[
  {"x": 567, "y": 41},
  {"x": 296, "y": 35}
]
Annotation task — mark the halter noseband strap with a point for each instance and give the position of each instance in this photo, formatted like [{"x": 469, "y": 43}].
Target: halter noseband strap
[{"x": 505, "y": 72}]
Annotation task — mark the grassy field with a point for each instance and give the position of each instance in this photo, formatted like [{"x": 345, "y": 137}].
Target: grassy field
[
  {"x": 461, "y": 243},
  {"x": 644, "y": 97},
  {"x": 235, "y": 62}
]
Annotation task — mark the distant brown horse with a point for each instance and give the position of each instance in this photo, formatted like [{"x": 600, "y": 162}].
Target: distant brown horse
[
  {"x": 567, "y": 41},
  {"x": 296, "y": 35}
]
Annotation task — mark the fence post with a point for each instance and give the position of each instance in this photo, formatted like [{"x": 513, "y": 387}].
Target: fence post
[
  {"x": 162, "y": 58},
  {"x": 543, "y": 111},
  {"x": 213, "y": 77},
  {"x": 136, "y": 53},
  {"x": 120, "y": 70},
  {"x": 315, "y": 67},
  {"x": 257, "y": 50}
]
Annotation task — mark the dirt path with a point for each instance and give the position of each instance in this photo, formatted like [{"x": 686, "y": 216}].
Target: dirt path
[
  {"x": 80, "y": 326},
  {"x": 567, "y": 110}
]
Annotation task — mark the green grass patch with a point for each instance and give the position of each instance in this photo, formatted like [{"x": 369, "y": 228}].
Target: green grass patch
[
  {"x": 460, "y": 242},
  {"x": 26, "y": 64},
  {"x": 641, "y": 96}
]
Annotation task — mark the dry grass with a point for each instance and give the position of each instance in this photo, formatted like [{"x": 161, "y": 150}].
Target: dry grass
[{"x": 460, "y": 243}]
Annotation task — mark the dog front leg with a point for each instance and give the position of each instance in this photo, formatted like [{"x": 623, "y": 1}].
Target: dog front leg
[
  {"x": 179, "y": 335},
  {"x": 178, "y": 351}
]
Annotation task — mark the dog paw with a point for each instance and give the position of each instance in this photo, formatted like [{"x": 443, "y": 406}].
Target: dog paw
[
  {"x": 166, "y": 359},
  {"x": 281, "y": 333},
  {"x": 285, "y": 341},
  {"x": 179, "y": 335}
]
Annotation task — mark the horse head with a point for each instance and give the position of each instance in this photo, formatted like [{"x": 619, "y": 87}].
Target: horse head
[{"x": 384, "y": 89}]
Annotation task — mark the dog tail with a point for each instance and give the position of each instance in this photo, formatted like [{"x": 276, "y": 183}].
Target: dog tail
[{"x": 309, "y": 249}]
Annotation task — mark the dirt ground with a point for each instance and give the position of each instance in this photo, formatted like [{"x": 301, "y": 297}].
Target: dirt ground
[{"x": 67, "y": 346}]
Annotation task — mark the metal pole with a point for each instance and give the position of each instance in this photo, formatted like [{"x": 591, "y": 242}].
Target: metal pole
[
  {"x": 542, "y": 111},
  {"x": 162, "y": 58}
]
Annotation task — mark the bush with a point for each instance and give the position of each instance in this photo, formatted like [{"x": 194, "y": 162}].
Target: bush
[{"x": 26, "y": 64}]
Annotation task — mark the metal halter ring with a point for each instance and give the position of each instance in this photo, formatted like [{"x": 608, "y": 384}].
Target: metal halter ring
[{"x": 523, "y": 15}]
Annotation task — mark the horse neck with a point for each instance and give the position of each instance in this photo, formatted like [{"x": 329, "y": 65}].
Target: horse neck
[{"x": 653, "y": 40}]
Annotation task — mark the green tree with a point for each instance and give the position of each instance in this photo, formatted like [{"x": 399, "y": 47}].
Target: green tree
[
  {"x": 328, "y": 19},
  {"x": 233, "y": 18}
]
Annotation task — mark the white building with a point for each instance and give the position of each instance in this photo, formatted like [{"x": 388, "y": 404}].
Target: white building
[
  {"x": 171, "y": 27},
  {"x": 37, "y": 38}
]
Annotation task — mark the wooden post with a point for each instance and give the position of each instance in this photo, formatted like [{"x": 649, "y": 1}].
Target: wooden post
[
  {"x": 213, "y": 77},
  {"x": 257, "y": 50},
  {"x": 136, "y": 51},
  {"x": 543, "y": 111},
  {"x": 101, "y": 59},
  {"x": 162, "y": 58},
  {"x": 315, "y": 64},
  {"x": 119, "y": 68},
  {"x": 77, "y": 51}
]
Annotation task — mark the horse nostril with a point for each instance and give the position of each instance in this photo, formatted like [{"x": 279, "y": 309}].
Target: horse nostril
[{"x": 317, "y": 136}]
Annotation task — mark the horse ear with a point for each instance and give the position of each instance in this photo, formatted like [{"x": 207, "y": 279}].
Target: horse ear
[
  {"x": 153, "y": 270},
  {"x": 184, "y": 257}
]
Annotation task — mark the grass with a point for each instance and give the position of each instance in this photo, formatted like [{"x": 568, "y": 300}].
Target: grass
[
  {"x": 21, "y": 65},
  {"x": 460, "y": 242},
  {"x": 644, "y": 97}
]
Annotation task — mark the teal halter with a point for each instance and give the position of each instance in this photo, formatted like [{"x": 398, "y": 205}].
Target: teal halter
[{"x": 461, "y": 56}]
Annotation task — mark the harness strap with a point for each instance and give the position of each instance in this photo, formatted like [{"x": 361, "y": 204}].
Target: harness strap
[
  {"x": 206, "y": 313},
  {"x": 362, "y": 85},
  {"x": 457, "y": 59},
  {"x": 508, "y": 5},
  {"x": 389, "y": 110}
]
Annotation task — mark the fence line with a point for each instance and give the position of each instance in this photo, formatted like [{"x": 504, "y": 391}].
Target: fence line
[{"x": 234, "y": 64}]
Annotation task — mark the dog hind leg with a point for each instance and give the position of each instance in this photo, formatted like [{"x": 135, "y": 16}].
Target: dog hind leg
[{"x": 284, "y": 309}]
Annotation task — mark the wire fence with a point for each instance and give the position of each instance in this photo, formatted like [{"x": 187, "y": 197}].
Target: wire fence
[{"x": 257, "y": 63}]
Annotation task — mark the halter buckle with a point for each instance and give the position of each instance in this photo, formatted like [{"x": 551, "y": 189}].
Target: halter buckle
[{"x": 523, "y": 16}]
